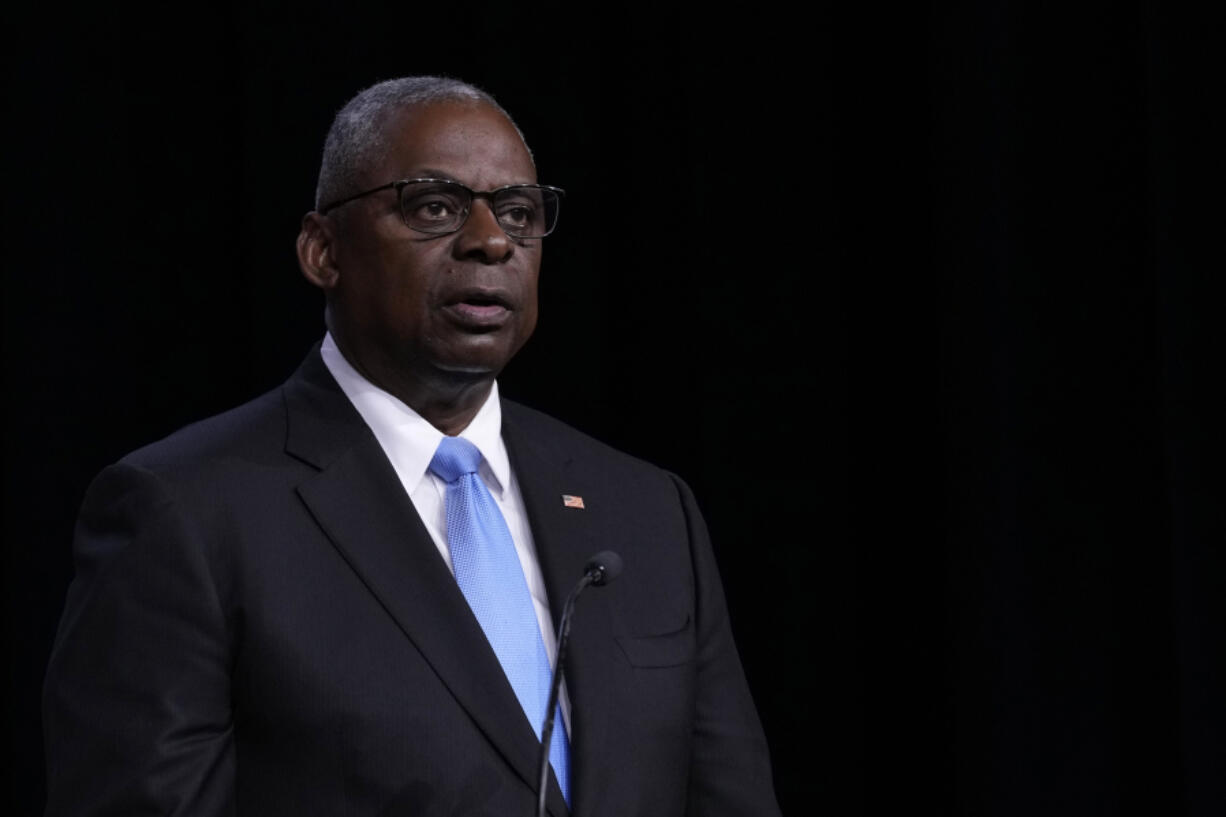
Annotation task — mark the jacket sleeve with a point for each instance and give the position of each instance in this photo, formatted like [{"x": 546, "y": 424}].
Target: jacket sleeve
[
  {"x": 136, "y": 703},
  {"x": 730, "y": 764}
]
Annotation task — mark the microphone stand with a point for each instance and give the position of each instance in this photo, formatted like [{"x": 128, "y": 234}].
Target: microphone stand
[{"x": 600, "y": 570}]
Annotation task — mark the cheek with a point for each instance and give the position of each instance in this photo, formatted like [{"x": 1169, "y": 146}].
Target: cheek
[
  {"x": 530, "y": 303},
  {"x": 388, "y": 307},
  {"x": 405, "y": 289},
  {"x": 388, "y": 296}
]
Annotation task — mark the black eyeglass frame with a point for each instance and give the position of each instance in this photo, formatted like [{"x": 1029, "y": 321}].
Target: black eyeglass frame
[{"x": 400, "y": 184}]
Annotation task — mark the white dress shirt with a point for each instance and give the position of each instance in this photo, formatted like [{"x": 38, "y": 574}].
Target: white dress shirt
[{"x": 409, "y": 441}]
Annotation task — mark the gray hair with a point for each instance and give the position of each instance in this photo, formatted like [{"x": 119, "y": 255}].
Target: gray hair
[{"x": 358, "y": 135}]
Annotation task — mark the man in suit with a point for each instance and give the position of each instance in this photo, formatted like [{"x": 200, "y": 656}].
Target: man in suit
[{"x": 270, "y": 614}]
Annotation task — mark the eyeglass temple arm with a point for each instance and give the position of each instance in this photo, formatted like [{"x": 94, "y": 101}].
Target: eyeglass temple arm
[{"x": 323, "y": 211}]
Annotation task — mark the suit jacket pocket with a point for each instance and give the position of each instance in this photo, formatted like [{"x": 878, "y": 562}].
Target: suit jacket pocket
[{"x": 665, "y": 650}]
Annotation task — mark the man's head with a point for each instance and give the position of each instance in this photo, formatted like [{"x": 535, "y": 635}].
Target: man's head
[
  {"x": 425, "y": 316},
  {"x": 358, "y": 136}
]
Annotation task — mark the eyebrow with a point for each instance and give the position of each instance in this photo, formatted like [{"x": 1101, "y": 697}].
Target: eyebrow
[{"x": 431, "y": 173}]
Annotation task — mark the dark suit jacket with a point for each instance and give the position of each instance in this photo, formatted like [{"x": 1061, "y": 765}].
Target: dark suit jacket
[{"x": 260, "y": 625}]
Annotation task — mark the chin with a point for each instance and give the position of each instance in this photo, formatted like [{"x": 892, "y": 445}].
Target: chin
[
  {"x": 469, "y": 367},
  {"x": 484, "y": 358},
  {"x": 473, "y": 370}
]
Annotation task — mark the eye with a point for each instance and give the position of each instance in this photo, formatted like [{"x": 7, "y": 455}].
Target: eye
[
  {"x": 518, "y": 212},
  {"x": 518, "y": 215},
  {"x": 433, "y": 207}
]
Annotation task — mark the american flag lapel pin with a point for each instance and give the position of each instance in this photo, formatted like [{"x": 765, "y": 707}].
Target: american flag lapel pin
[{"x": 569, "y": 501}]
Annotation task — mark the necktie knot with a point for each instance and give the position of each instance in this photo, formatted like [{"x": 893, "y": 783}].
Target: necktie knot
[{"x": 454, "y": 458}]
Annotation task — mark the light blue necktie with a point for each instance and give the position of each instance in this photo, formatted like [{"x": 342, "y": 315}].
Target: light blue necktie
[{"x": 489, "y": 574}]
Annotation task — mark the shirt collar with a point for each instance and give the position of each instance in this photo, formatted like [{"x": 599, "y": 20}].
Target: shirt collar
[{"x": 406, "y": 437}]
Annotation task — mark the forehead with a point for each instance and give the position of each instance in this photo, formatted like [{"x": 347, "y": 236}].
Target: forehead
[{"x": 468, "y": 141}]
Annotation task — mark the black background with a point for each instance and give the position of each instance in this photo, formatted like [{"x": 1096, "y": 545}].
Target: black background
[{"x": 919, "y": 302}]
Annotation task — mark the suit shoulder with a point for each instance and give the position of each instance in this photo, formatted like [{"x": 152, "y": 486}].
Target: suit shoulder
[
  {"x": 252, "y": 431},
  {"x": 568, "y": 440}
]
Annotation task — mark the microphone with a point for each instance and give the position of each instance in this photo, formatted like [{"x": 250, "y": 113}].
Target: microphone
[
  {"x": 601, "y": 569},
  {"x": 604, "y": 567}
]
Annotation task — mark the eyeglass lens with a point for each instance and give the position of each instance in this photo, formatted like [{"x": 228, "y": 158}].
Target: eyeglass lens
[{"x": 442, "y": 207}]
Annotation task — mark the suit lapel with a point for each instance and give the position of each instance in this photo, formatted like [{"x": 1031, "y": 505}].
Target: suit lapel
[
  {"x": 565, "y": 538},
  {"x": 362, "y": 508}
]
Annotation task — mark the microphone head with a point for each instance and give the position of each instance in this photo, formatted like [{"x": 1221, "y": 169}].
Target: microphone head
[{"x": 604, "y": 567}]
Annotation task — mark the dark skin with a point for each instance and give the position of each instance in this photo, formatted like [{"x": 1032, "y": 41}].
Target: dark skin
[{"x": 432, "y": 320}]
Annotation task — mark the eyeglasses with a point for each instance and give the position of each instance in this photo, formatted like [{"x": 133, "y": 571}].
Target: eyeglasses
[{"x": 439, "y": 206}]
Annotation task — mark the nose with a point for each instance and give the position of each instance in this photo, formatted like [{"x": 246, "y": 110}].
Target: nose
[{"x": 482, "y": 237}]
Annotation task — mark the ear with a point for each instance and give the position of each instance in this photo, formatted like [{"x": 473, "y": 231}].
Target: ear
[{"x": 316, "y": 254}]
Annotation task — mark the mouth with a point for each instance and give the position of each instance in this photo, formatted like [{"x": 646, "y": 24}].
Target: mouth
[{"x": 479, "y": 310}]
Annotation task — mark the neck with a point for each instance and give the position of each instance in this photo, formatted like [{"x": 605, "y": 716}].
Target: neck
[
  {"x": 448, "y": 400},
  {"x": 450, "y": 413}
]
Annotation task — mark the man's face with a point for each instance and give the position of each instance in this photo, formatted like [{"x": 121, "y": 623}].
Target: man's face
[{"x": 415, "y": 307}]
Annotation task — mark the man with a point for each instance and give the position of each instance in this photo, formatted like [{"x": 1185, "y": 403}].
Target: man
[{"x": 278, "y": 611}]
